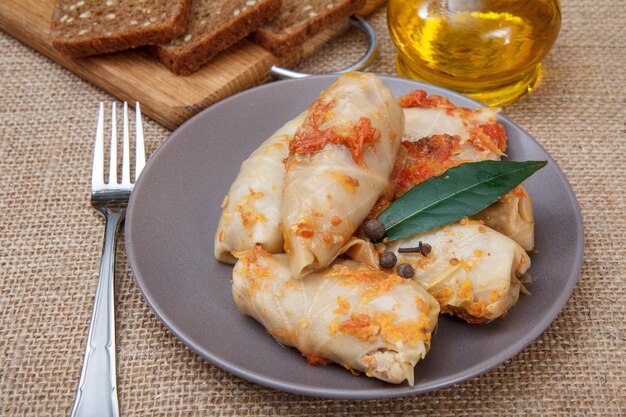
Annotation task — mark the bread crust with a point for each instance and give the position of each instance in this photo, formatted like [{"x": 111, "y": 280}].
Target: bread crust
[{"x": 369, "y": 7}]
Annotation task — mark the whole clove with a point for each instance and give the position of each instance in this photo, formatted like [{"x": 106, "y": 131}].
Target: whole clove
[{"x": 423, "y": 248}]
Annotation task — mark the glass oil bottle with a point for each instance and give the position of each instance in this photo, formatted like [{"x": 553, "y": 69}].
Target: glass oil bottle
[{"x": 490, "y": 50}]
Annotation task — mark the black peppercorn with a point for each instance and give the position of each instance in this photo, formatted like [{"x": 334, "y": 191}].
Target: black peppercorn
[
  {"x": 374, "y": 229},
  {"x": 388, "y": 260},
  {"x": 405, "y": 271}
]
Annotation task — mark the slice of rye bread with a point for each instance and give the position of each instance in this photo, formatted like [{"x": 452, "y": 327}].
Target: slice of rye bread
[
  {"x": 213, "y": 26},
  {"x": 369, "y": 7},
  {"x": 89, "y": 27},
  {"x": 301, "y": 19}
]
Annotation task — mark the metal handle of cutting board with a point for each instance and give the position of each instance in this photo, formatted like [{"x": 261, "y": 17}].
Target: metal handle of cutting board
[{"x": 364, "y": 62}]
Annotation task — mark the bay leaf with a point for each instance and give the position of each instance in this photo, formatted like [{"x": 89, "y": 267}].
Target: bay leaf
[{"x": 459, "y": 192}]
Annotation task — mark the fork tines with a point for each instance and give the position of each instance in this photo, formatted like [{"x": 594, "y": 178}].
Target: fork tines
[{"x": 97, "y": 182}]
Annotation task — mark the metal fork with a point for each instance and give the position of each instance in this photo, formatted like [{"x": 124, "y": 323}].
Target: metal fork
[{"x": 97, "y": 388}]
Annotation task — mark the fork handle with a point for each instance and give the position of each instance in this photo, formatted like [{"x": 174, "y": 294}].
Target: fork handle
[{"x": 97, "y": 388}]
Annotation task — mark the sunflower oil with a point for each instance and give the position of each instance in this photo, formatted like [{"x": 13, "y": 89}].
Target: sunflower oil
[{"x": 490, "y": 50}]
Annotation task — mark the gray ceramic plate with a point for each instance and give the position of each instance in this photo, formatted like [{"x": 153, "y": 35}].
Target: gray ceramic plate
[{"x": 174, "y": 211}]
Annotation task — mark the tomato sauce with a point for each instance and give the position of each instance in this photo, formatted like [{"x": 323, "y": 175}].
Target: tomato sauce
[
  {"x": 310, "y": 138},
  {"x": 419, "y": 98},
  {"x": 426, "y": 158}
]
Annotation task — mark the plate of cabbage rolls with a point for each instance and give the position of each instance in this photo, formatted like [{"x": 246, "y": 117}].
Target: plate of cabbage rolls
[{"x": 354, "y": 236}]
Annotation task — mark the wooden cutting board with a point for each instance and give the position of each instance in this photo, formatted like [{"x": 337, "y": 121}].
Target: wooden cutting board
[{"x": 135, "y": 76}]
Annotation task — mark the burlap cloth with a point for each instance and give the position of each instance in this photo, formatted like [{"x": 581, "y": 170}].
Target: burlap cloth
[{"x": 50, "y": 244}]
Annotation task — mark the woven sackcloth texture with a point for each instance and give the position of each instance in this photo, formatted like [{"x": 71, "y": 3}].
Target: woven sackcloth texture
[{"x": 50, "y": 247}]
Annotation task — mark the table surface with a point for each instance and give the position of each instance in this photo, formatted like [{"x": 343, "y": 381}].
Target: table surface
[{"x": 50, "y": 246}]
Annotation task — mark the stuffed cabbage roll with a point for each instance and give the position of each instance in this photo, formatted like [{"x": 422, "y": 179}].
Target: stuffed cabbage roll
[
  {"x": 251, "y": 210},
  {"x": 339, "y": 164},
  {"x": 512, "y": 215},
  {"x": 471, "y": 269},
  {"x": 439, "y": 135},
  {"x": 363, "y": 319},
  {"x": 480, "y": 136}
]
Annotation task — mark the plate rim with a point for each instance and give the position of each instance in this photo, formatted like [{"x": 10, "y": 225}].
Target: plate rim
[{"x": 374, "y": 393}]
